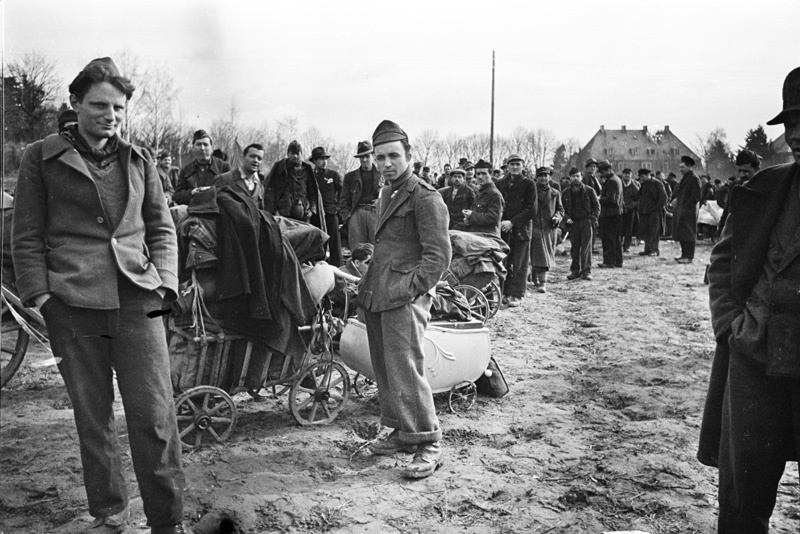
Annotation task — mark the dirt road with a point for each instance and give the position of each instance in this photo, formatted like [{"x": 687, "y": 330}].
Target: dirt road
[{"x": 598, "y": 434}]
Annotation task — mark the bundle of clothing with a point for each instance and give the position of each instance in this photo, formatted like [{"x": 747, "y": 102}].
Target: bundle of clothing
[{"x": 477, "y": 257}]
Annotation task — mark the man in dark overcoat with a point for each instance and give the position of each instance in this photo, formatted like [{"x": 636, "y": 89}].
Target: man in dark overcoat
[
  {"x": 329, "y": 183},
  {"x": 652, "y": 199},
  {"x": 685, "y": 205},
  {"x": 457, "y": 197},
  {"x": 412, "y": 251},
  {"x": 581, "y": 210},
  {"x": 358, "y": 204},
  {"x": 95, "y": 249},
  {"x": 611, "y": 207},
  {"x": 200, "y": 173},
  {"x": 519, "y": 194},
  {"x": 751, "y": 423},
  {"x": 487, "y": 209}
]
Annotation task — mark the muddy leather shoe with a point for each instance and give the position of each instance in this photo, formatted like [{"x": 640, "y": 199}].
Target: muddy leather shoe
[
  {"x": 427, "y": 460},
  {"x": 391, "y": 444},
  {"x": 112, "y": 524}
]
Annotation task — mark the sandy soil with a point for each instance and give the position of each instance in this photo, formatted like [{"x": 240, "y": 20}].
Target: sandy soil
[{"x": 598, "y": 434}]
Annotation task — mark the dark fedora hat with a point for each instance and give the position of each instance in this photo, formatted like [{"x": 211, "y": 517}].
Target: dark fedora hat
[
  {"x": 791, "y": 97},
  {"x": 317, "y": 153},
  {"x": 688, "y": 160},
  {"x": 363, "y": 148}
]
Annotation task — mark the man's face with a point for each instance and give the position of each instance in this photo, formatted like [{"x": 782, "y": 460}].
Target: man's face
[
  {"x": 363, "y": 265},
  {"x": 792, "y": 129},
  {"x": 660, "y": 176},
  {"x": 366, "y": 162},
  {"x": 591, "y": 169},
  {"x": 470, "y": 174},
  {"x": 165, "y": 163},
  {"x": 482, "y": 176},
  {"x": 295, "y": 158},
  {"x": 426, "y": 173},
  {"x": 542, "y": 179},
  {"x": 576, "y": 179},
  {"x": 447, "y": 169},
  {"x": 683, "y": 168},
  {"x": 515, "y": 167},
  {"x": 320, "y": 163},
  {"x": 626, "y": 176},
  {"x": 252, "y": 161},
  {"x": 202, "y": 149},
  {"x": 391, "y": 159},
  {"x": 458, "y": 179},
  {"x": 644, "y": 177},
  {"x": 744, "y": 172},
  {"x": 100, "y": 113}
]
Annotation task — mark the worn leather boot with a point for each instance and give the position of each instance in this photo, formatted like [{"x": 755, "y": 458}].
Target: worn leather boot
[
  {"x": 391, "y": 444},
  {"x": 427, "y": 460}
]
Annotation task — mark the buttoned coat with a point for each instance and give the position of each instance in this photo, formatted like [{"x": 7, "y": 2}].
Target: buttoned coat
[
  {"x": 521, "y": 204},
  {"x": 189, "y": 178},
  {"x": 329, "y": 183},
  {"x": 611, "y": 199},
  {"x": 352, "y": 187},
  {"x": 457, "y": 199},
  {"x": 686, "y": 210},
  {"x": 737, "y": 262},
  {"x": 486, "y": 210},
  {"x": 591, "y": 205},
  {"x": 412, "y": 246},
  {"x": 63, "y": 242},
  {"x": 234, "y": 180}
]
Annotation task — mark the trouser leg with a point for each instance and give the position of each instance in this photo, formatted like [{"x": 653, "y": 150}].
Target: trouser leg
[
  {"x": 141, "y": 361},
  {"x": 687, "y": 249},
  {"x": 335, "y": 240},
  {"x": 395, "y": 341},
  {"x": 760, "y": 426},
  {"x": 79, "y": 338},
  {"x": 518, "y": 261},
  {"x": 575, "y": 248}
]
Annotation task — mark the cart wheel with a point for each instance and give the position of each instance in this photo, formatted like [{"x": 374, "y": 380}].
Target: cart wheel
[
  {"x": 363, "y": 386},
  {"x": 205, "y": 411},
  {"x": 478, "y": 304},
  {"x": 462, "y": 397},
  {"x": 322, "y": 403},
  {"x": 494, "y": 295},
  {"x": 14, "y": 342}
]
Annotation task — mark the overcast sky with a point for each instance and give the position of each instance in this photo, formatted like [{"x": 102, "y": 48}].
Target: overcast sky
[{"x": 344, "y": 65}]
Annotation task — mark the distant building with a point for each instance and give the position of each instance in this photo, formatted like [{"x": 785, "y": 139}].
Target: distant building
[
  {"x": 782, "y": 152},
  {"x": 637, "y": 149}
]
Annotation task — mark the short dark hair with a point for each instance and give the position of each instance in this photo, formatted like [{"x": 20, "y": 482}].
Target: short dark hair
[
  {"x": 99, "y": 73},
  {"x": 362, "y": 251},
  {"x": 406, "y": 147},
  {"x": 256, "y": 146}
]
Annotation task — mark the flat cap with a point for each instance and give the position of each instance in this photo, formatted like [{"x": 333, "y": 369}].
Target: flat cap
[
  {"x": 603, "y": 164},
  {"x": 458, "y": 170},
  {"x": 748, "y": 157},
  {"x": 574, "y": 170},
  {"x": 687, "y": 160},
  {"x": 387, "y": 132},
  {"x": 543, "y": 171},
  {"x": 483, "y": 164},
  {"x": 514, "y": 157},
  {"x": 590, "y": 161},
  {"x": 643, "y": 172}
]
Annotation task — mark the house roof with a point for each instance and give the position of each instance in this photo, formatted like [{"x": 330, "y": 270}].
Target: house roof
[{"x": 627, "y": 144}]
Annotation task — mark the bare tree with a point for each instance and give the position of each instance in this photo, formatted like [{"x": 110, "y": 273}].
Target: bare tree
[
  {"x": 425, "y": 145},
  {"x": 29, "y": 98},
  {"x": 540, "y": 145},
  {"x": 157, "y": 125},
  {"x": 130, "y": 67}
]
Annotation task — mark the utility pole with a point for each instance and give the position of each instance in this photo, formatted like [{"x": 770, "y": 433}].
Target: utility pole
[{"x": 491, "y": 128}]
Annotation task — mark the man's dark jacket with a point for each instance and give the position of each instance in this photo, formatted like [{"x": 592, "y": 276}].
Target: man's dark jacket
[
  {"x": 611, "y": 197},
  {"x": 189, "y": 178},
  {"x": 521, "y": 204},
  {"x": 591, "y": 205},
  {"x": 737, "y": 262},
  {"x": 352, "y": 189},
  {"x": 278, "y": 198},
  {"x": 329, "y": 183}
]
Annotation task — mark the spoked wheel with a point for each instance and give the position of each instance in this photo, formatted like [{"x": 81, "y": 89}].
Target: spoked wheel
[
  {"x": 364, "y": 387},
  {"x": 494, "y": 295},
  {"x": 319, "y": 394},
  {"x": 462, "y": 397},
  {"x": 14, "y": 344},
  {"x": 204, "y": 413},
  {"x": 478, "y": 304}
]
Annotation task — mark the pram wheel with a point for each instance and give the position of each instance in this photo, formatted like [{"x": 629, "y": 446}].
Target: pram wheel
[
  {"x": 462, "y": 397},
  {"x": 15, "y": 344},
  {"x": 494, "y": 295},
  {"x": 478, "y": 303},
  {"x": 319, "y": 394},
  {"x": 205, "y": 411},
  {"x": 363, "y": 386}
]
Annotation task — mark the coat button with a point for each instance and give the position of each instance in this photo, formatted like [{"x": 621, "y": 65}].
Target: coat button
[
  {"x": 100, "y": 220},
  {"x": 113, "y": 240}
]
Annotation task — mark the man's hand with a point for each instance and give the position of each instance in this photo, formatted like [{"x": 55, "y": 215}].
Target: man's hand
[
  {"x": 506, "y": 226},
  {"x": 200, "y": 189},
  {"x": 41, "y": 299}
]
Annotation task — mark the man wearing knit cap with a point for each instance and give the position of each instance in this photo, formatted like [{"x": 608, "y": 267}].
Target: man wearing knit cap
[
  {"x": 95, "y": 250},
  {"x": 290, "y": 189},
  {"x": 199, "y": 174},
  {"x": 520, "y": 197},
  {"x": 412, "y": 251},
  {"x": 751, "y": 422},
  {"x": 358, "y": 204},
  {"x": 487, "y": 209},
  {"x": 685, "y": 200}
]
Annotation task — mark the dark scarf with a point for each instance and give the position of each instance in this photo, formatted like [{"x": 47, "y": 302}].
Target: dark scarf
[
  {"x": 100, "y": 156},
  {"x": 544, "y": 193}
]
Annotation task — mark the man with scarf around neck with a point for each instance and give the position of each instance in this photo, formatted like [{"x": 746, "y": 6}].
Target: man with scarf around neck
[
  {"x": 581, "y": 210},
  {"x": 519, "y": 194},
  {"x": 487, "y": 209},
  {"x": 543, "y": 229},
  {"x": 412, "y": 251},
  {"x": 457, "y": 197},
  {"x": 199, "y": 174},
  {"x": 95, "y": 249}
]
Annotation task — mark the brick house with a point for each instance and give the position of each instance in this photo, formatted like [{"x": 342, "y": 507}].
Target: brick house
[{"x": 636, "y": 149}]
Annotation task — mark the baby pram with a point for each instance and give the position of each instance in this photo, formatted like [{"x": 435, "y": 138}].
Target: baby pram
[
  {"x": 247, "y": 320},
  {"x": 477, "y": 271}
]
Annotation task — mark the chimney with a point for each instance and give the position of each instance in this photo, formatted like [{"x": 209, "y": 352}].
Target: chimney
[
  {"x": 624, "y": 129},
  {"x": 666, "y": 129},
  {"x": 602, "y": 128},
  {"x": 644, "y": 129}
]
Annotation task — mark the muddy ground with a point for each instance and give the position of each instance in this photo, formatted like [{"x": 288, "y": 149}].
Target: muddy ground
[{"x": 598, "y": 433}]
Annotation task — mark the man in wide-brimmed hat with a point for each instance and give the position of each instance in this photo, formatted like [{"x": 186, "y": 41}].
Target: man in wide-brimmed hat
[
  {"x": 329, "y": 183},
  {"x": 751, "y": 423},
  {"x": 358, "y": 204}
]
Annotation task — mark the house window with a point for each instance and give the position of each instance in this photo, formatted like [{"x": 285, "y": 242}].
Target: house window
[{"x": 647, "y": 165}]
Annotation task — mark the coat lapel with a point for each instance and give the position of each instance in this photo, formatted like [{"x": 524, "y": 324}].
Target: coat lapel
[{"x": 391, "y": 203}]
